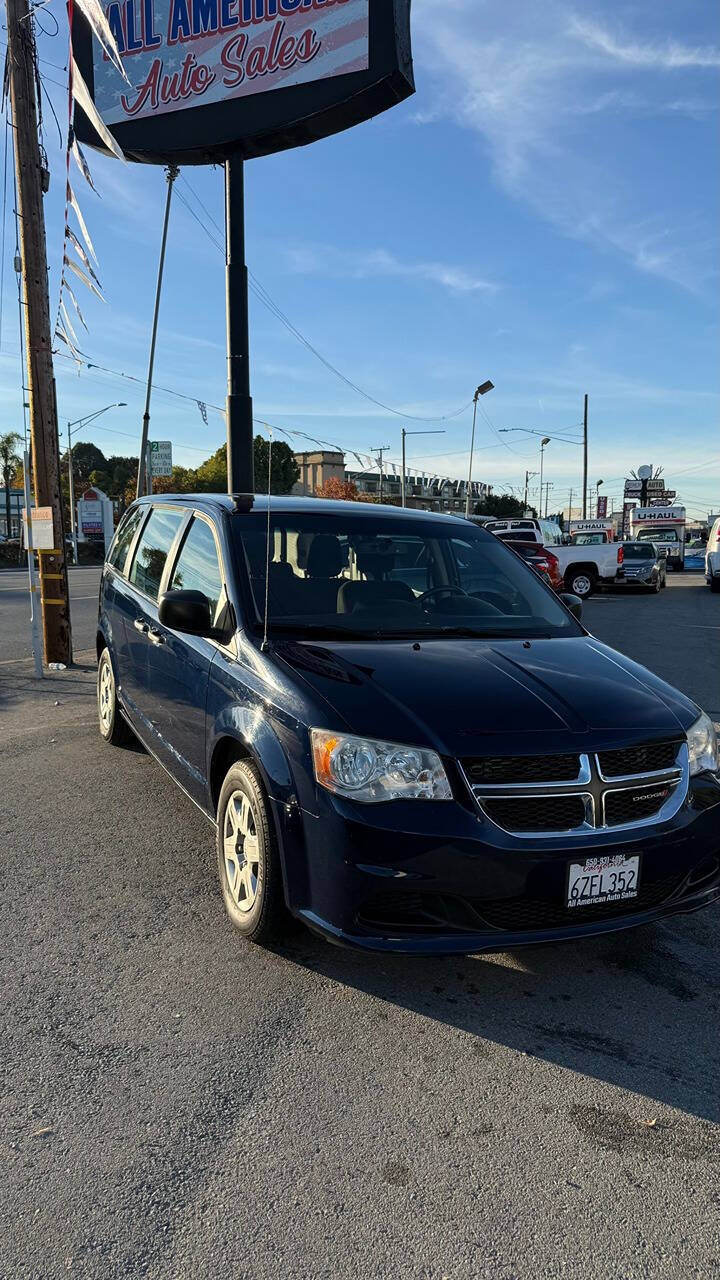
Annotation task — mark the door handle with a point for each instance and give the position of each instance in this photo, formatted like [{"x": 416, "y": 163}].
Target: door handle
[
  {"x": 140, "y": 626},
  {"x": 155, "y": 637}
]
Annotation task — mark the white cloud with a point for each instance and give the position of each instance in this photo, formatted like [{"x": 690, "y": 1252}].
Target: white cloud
[
  {"x": 523, "y": 76},
  {"x": 312, "y": 260},
  {"x": 665, "y": 55}
]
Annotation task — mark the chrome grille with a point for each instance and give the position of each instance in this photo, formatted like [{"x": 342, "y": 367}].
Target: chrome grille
[
  {"x": 656, "y": 774},
  {"x": 537, "y": 813},
  {"x": 651, "y": 757},
  {"x": 634, "y": 804},
  {"x": 504, "y": 769}
]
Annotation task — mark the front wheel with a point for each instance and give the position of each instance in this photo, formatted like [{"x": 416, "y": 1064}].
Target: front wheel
[
  {"x": 113, "y": 728},
  {"x": 715, "y": 583},
  {"x": 580, "y": 583},
  {"x": 248, "y": 860}
]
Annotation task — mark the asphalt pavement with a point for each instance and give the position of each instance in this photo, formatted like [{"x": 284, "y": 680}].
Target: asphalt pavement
[
  {"x": 15, "y": 639},
  {"x": 178, "y": 1104}
]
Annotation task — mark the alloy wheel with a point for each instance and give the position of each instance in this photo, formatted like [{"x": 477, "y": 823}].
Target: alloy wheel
[
  {"x": 241, "y": 849},
  {"x": 105, "y": 696}
]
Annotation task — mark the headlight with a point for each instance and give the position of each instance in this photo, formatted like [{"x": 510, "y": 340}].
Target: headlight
[
  {"x": 371, "y": 772},
  {"x": 703, "y": 746}
]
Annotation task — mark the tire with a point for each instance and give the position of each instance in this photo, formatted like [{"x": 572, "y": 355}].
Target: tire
[
  {"x": 715, "y": 584},
  {"x": 580, "y": 582},
  {"x": 657, "y": 587},
  {"x": 113, "y": 728},
  {"x": 248, "y": 859},
  {"x": 663, "y": 584}
]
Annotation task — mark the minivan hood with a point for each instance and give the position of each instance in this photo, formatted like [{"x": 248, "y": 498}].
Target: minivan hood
[{"x": 462, "y": 696}]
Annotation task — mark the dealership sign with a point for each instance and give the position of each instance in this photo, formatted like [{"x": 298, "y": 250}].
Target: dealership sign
[{"x": 207, "y": 78}]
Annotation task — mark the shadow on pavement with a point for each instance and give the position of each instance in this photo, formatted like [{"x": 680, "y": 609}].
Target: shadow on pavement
[{"x": 638, "y": 1010}]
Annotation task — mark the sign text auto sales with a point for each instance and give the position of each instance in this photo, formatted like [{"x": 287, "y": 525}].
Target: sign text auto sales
[{"x": 183, "y": 53}]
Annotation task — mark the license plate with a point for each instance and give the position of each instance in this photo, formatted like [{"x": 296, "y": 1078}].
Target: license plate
[{"x": 599, "y": 880}]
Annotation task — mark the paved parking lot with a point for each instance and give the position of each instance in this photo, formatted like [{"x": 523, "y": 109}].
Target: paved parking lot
[{"x": 178, "y": 1104}]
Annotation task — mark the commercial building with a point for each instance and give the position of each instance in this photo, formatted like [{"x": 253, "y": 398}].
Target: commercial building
[
  {"x": 424, "y": 492},
  {"x": 17, "y": 502},
  {"x": 316, "y": 469}
]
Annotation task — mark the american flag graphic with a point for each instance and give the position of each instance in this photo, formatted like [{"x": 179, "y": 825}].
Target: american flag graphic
[{"x": 328, "y": 39}]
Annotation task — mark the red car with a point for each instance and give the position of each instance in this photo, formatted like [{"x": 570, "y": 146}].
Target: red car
[{"x": 542, "y": 561}]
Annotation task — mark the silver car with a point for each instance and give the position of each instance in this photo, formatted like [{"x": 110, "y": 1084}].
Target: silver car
[{"x": 644, "y": 565}]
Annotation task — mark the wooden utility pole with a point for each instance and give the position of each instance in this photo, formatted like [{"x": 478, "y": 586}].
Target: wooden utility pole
[{"x": 41, "y": 382}]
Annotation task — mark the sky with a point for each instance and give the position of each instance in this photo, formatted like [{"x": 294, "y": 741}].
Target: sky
[{"x": 543, "y": 213}]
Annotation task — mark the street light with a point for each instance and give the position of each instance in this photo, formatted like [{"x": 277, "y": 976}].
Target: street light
[
  {"x": 404, "y": 435},
  {"x": 481, "y": 391},
  {"x": 545, "y": 440},
  {"x": 503, "y": 431},
  {"x": 78, "y": 425}
]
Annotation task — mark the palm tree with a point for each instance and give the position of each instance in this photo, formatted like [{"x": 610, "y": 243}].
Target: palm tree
[{"x": 10, "y": 460}]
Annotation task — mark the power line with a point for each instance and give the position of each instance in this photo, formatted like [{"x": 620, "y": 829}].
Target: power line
[{"x": 261, "y": 293}]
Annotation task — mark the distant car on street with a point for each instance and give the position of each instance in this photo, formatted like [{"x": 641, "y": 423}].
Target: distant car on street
[{"x": 645, "y": 565}]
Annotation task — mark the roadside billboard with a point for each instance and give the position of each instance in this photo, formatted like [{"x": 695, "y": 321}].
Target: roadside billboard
[{"x": 212, "y": 78}]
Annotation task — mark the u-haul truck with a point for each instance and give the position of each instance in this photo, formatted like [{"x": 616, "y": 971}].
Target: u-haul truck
[
  {"x": 585, "y": 533},
  {"x": 665, "y": 526}
]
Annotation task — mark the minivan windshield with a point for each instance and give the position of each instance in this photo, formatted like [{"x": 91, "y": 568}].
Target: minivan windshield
[{"x": 346, "y": 575}]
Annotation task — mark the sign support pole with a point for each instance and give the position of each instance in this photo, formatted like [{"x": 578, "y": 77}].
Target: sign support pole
[
  {"x": 144, "y": 480},
  {"x": 240, "y": 459}
]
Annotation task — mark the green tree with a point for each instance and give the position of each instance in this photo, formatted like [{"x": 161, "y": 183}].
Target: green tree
[
  {"x": 10, "y": 460},
  {"x": 285, "y": 470},
  {"x": 502, "y": 505},
  {"x": 86, "y": 459},
  {"x": 211, "y": 476}
]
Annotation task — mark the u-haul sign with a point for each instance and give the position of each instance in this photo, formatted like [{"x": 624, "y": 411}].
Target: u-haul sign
[{"x": 659, "y": 515}]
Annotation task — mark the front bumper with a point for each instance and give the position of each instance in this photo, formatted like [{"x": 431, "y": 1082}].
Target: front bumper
[
  {"x": 637, "y": 579},
  {"x": 438, "y": 878}
]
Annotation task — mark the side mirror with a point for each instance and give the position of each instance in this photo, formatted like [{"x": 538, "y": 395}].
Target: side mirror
[
  {"x": 573, "y": 603},
  {"x": 186, "y": 611}
]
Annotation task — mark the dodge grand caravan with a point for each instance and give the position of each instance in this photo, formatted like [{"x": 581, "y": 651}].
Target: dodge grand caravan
[{"x": 402, "y": 736}]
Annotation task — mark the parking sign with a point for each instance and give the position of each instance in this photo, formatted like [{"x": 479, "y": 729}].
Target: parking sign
[{"x": 161, "y": 457}]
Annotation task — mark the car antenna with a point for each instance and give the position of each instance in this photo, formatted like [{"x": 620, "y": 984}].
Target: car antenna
[{"x": 265, "y": 646}]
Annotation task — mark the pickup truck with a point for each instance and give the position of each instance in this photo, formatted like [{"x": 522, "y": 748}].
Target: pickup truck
[{"x": 586, "y": 568}]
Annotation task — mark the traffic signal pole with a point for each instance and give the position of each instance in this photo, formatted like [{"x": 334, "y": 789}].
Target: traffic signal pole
[{"x": 41, "y": 384}]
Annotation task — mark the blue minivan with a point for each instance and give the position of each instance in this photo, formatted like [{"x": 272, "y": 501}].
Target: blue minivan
[{"x": 401, "y": 735}]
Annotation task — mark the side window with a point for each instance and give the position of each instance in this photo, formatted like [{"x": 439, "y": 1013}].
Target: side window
[
  {"x": 152, "y": 549},
  {"x": 197, "y": 567},
  {"x": 127, "y": 529}
]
